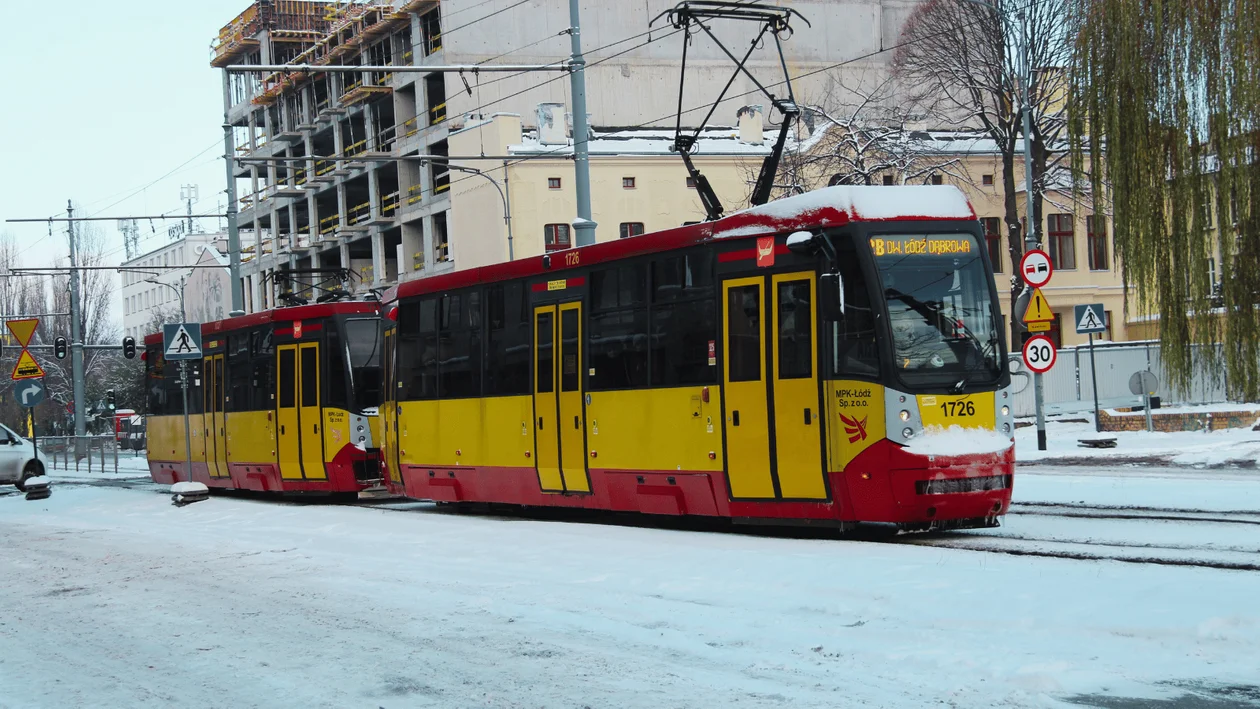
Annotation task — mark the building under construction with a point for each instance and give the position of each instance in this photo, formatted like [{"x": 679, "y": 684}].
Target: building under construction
[{"x": 334, "y": 168}]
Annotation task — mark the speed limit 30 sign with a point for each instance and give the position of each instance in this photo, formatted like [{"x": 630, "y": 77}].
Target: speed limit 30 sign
[{"x": 1039, "y": 354}]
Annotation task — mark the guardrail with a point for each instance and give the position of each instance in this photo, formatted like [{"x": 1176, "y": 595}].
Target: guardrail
[{"x": 99, "y": 453}]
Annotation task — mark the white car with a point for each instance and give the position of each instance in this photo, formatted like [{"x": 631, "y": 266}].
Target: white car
[{"x": 17, "y": 459}]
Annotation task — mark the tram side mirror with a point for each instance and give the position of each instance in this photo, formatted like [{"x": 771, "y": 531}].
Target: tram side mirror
[{"x": 831, "y": 296}]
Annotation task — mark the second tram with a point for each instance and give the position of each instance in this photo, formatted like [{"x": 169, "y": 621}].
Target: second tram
[
  {"x": 835, "y": 357},
  {"x": 283, "y": 400}
]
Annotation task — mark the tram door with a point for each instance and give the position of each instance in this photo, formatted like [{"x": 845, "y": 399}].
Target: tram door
[
  {"x": 770, "y": 378},
  {"x": 216, "y": 427},
  {"x": 310, "y": 416},
  {"x": 389, "y": 413},
  {"x": 289, "y": 450},
  {"x": 560, "y": 422}
]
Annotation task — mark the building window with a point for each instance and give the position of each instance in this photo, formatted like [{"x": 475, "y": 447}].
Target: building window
[
  {"x": 556, "y": 236},
  {"x": 888, "y": 180},
  {"x": 986, "y": 180},
  {"x": 993, "y": 237},
  {"x": 691, "y": 183},
  {"x": 1096, "y": 232},
  {"x": 627, "y": 183},
  {"x": 553, "y": 183},
  {"x": 1062, "y": 241},
  {"x": 631, "y": 229},
  {"x": 441, "y": 239},
  {"x": 937, "y": 180},
  {"x": 1107, "y": 322}
]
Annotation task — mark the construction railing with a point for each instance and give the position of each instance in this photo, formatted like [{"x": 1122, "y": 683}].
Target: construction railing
[
  {"x": 415, "y": 193},
  {"x": 329, "y": 224},
  {"x": 359, "y": 213},
  {"x": 354, "y": 149},
  {"x": 323, "y": 167},
  {"x": 409, "y": 127},
  {"x": 437, "y": 114},
  {"x": 389, "y": 203}
]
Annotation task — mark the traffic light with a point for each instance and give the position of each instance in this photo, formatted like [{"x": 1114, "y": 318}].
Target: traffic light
[
  {"x": 109, "y": 396},
  {"x": 59, "y": 347},
  {"x": 129, "y": 347}
]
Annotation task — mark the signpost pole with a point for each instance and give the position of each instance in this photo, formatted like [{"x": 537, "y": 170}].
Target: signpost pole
[
  {"x": 34, "y": 433},
  {"x": 1093, "y": 376},
  {"x": 183, "y": 385}
]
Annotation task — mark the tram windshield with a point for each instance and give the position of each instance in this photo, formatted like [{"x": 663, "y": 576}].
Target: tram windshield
[
  {"x": 363, "y": 346},
  {"x": 941, "y": 311}
]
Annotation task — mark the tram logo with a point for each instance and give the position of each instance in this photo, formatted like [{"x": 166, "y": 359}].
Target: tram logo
[
  {"x": 855, "y": 427},
  {"x": 765, "y": 251}
]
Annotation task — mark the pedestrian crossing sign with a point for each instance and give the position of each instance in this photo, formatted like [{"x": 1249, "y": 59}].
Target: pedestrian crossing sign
[
  {"x": 1090, "y": 318},
  {"x": 181, "y": 340}
]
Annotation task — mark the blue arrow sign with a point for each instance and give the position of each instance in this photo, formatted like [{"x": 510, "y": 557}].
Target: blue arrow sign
[{"x": 28, "y": 392}]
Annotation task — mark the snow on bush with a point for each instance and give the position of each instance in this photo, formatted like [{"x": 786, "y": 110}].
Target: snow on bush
[
  {"x": 37, "y": 481},
  {"x": 189, "y": 489}
]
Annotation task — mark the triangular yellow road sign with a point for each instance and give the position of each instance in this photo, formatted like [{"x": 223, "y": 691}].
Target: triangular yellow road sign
[
  {"x": 1038, "y": 309},
  {"x": 23, "y": 330},
  {"x": 27, "y": 367}
]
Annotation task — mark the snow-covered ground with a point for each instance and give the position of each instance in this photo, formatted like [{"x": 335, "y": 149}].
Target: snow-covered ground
[
  {"x": 1236, "y": 447},
  {"x": 113, "y": 597}
]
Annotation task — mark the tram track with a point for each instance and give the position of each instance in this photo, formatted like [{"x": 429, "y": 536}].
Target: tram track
[{"x": 1008, "y": 540}]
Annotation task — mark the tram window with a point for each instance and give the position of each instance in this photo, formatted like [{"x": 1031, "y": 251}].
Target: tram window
[
  {"x": 796, "y": 334},
  {"x": 620, "y": 287},
  {"x": 618, "y": 348},
  {"x": 287, "y": 389},
  {"x": 743, "y": 347},
  {"x": 681, "y": 333},
  {"x": 459, "y": 348},
  {"x": 155, "y": 384},
  {"x": 336, "y": 373},
  {"x": 363, "y": 345},
  {"x": 570, "y": 365},
  {"x": 507, "y": 340},
  {"x": 686, "y": 276},
  {"x": 424, "y": 380},
  {"x": 310, "y": 376},
  {"x": 852, "y": 344},
  {"x": 545, "y": 374},
  {"x": 239, "y": 372},
  {"x": 263, "y": 383}
]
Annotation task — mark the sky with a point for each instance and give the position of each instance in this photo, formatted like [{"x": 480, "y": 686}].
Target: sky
[{"x": 113, "y": 105}]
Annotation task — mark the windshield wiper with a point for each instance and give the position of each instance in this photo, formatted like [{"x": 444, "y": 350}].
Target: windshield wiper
[{"x": 958, "y": 386}]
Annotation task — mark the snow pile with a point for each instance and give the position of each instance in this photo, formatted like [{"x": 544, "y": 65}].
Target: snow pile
[
  {"x": 37, "y": 481},
  {"x": 189, "y": 489},
  {"x": 1232, "y": 447},
  {"x": 874, "y": 203},
  {"x": 956, "y": 440}
]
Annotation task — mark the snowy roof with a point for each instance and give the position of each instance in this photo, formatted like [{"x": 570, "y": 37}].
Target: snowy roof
[
  {"x": 835, "y": 206},
  {"x": 650, "y": 141}
]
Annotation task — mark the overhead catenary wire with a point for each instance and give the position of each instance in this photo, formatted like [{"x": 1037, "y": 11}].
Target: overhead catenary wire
[{"x": 853, "y": 60}]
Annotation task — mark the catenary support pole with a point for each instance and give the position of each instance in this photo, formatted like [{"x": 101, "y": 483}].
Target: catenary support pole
[
  {"x": 76, "y": 341},
  {"x": 1030, "y": 231},
  {"x": 234, "y": 234},
  {"x": 583, "y": 225}
]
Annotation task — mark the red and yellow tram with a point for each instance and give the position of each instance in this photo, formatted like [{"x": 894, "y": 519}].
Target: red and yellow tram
[
  {"x": 282, "y": 400},
  {"x": 835, "y": 357}
]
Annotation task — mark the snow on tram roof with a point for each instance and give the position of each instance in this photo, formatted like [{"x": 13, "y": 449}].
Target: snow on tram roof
[{"x": 835, "y": 206}]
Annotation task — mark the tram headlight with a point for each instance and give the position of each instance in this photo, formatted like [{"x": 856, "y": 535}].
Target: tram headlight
[
  {"x": 360, "y": 429},
  {"x": 905, "y": 415},
  {"x": 1006, "y": 428},
  {"x": 907, "y": 432},
  {"x": 1006, "y": 411}
]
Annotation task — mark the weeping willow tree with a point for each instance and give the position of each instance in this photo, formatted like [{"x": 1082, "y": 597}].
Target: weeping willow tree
[{"x": 1165, "y": 105}]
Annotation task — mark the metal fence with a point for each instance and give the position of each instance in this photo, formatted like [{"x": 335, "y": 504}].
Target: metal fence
[
  {"x": 1069, "y": 386},
  {"x": 97, "y": 453}
]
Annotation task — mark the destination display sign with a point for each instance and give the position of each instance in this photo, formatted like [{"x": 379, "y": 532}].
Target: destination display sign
[{"x": 921, "y": 245}]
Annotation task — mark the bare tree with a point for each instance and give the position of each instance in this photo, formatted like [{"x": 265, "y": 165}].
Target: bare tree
[
  {"x": 859, "y": 132},
  {"x": 963, "y": 59}
]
